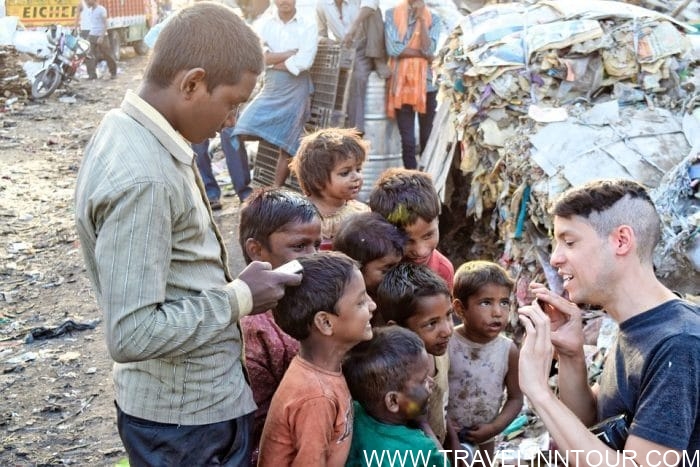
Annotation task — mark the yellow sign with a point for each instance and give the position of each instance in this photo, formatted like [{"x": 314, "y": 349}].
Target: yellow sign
[{"x": 34, "y": 13}]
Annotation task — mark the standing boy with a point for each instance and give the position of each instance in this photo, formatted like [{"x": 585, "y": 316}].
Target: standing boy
[
  {"x": 413, "y": 296},
  {"x": 389, "y": 379},
  {"x": 407, "y": 199},
  {"x": 605, "y": 233},
  {"x": 155, "y": 257},
  {"x": 483, "y": 361},
  {"x": 276, "y": 226},
  {"x": 310, "y": 417}
]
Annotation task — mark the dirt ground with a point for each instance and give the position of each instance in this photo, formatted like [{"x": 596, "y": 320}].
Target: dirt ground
[{"x": 56, "y": 394}]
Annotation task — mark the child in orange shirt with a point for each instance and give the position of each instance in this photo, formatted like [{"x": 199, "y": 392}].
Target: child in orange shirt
[{"x": 310, "y": 418}]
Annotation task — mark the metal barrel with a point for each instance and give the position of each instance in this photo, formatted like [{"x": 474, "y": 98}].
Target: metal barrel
[{"x": 382, "y": 134}]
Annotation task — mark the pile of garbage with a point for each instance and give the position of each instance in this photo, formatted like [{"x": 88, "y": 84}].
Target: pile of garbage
[
  {"x": 13, "y": 80},
  {"x": 546, "y": 96}
]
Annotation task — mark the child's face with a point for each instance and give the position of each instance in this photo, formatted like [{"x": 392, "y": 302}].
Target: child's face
[
  {"x": 423, "y": 238},
  {"x": 354, "y": 312},
  {"x": 374, "y": 270},
  {"x": 432, "y": 321},
  {"x": 289, "y": 242},
  {"x": 485, "y": 314},
  {"x": 413, "y": 398},
  {"x": 345, "y": 180}
]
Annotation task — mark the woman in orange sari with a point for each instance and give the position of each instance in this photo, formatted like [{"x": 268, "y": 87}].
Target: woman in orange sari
[{"x": 411, "y": 33}]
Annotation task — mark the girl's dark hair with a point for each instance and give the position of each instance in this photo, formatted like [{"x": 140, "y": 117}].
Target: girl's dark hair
[
  {"x": 368, "y": 236},
  {"x": 324, "y": 278},
  {"x": 321, "y": 151},
  {"x": 268, "y": 210}
]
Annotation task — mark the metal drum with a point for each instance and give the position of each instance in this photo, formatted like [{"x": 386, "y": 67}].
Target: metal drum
[{"x": 382, "y": 134}]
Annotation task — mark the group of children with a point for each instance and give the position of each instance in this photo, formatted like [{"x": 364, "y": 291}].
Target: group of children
[{"x": 360, "y": 358}]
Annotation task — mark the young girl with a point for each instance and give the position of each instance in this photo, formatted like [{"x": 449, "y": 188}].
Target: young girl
[
  {"x": 482, "y": 360},
  {"x": 328, "y": 166}
]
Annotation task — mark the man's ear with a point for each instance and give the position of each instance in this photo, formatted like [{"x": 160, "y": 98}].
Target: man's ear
[
  {"x": 253, "y": 249},
  {"x": 391, "y": 401},
  {"x": 192, "y": 81},
  {"x": 624, "y": 240},
  {"x": 323, "y": 321}
]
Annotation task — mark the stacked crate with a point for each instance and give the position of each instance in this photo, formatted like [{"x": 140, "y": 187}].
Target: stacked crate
[{"x": 330, "y": 75}]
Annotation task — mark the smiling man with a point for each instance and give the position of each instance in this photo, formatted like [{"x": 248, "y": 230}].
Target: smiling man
[
  {"x": 605, "y": 234},
  {"x": 155, "y": 257}
]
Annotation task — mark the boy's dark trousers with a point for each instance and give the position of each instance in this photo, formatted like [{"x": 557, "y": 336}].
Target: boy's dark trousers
[{"x": 150, "y": 443}]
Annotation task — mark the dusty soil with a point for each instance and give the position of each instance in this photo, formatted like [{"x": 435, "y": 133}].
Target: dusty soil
[{"x": 56, "y": 394}]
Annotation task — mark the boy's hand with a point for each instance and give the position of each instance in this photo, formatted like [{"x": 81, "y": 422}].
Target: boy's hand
[
  {"x": 266, "y": 286},
  {"x": 479, "y": 434}
]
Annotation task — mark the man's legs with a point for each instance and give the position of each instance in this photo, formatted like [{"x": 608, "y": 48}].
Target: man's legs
[
  {"x": 106, "y": 50},
  {"x": 150, "y": 443},
  {"x": 406, "y": 121},
  {"x": 425, "y": 121},
  {"x": 204, "y": 165},
  {"x": 282, "y": 169},
  {"x": 361, "y": 68},
  {"x": 237, "y": 162}
]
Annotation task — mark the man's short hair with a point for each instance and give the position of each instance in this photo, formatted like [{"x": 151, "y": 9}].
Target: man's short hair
[
  {"x": 473, "y": 275},
  {"x": 368, "y": 236},
  {"x": 268, "y": 210},
  {"x": 375, "y": 367},
  {"x": 324, "y": 278},
  {"x": 404, "y": 195},
  {"x": 319, "y": 153},
  {"x": 608, "y": 204},
  {"x": 403, "y": 286},
  {"x": 205, "y": 35}
]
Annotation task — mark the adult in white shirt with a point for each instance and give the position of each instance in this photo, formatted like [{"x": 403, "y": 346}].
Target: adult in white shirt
[
  {"x": 357, "y": 24},
  {"x": 99, "y": 43},
  {"x": 278, "y": 113}
]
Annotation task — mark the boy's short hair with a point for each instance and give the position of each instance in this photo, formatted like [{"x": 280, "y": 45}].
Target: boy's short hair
[
  {"x": 402, "y": 287},
  {"x": 320, "y": 151},
  {"x": 205, "y": 35},
  {"x": 368, "y": 236},
  {"x": 375, "y": 367},
  {"x": 404, "y": 195},
  {"x": 324, "y": 278},
  {"x": 473, "y": 275},
  {"x": 267, "y": 210},
  {"x": 608, "y": 204}
]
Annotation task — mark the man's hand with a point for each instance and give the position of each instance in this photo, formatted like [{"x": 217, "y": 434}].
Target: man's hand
[
  {"x": 266, "y": 286},
  {"x": 536, "y": 351},
  {"x": 565, "y": 319},
  {"x": 100, "y": 40}
]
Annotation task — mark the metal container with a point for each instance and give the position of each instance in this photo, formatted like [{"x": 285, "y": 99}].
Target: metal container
[{"x": 382, "y": 134}]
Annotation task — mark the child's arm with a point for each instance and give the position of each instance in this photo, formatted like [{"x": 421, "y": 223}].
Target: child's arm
[
  {"x": 313, "y": 432},
  {"x": 512, "y": 406}
]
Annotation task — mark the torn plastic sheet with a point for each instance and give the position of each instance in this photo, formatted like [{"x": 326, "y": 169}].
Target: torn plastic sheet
[{"x": 643, "y": 145}]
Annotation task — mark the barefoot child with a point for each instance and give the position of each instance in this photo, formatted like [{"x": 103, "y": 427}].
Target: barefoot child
[
  {"x": 310, "y": 418},
  {"x": 482, "y": 360},
  {"x": 389, "y": 380},
  {"x": 276, "y": 226},
  {"x": 328, "y": 166}
]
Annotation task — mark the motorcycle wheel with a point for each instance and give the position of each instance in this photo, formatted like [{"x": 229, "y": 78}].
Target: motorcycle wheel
[{"x": 46, "y": 82}]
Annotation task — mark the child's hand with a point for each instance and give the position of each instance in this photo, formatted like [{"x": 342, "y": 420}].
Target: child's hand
[{"x": 478, "y": 434}]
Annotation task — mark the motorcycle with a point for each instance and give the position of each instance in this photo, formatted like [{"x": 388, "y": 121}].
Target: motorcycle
[{"x": 69, "y": 52}]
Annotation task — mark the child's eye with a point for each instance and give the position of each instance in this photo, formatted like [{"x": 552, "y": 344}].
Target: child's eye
[
  {"x": 485, "y": 303},
  {"x": 505, "y": 303}
]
